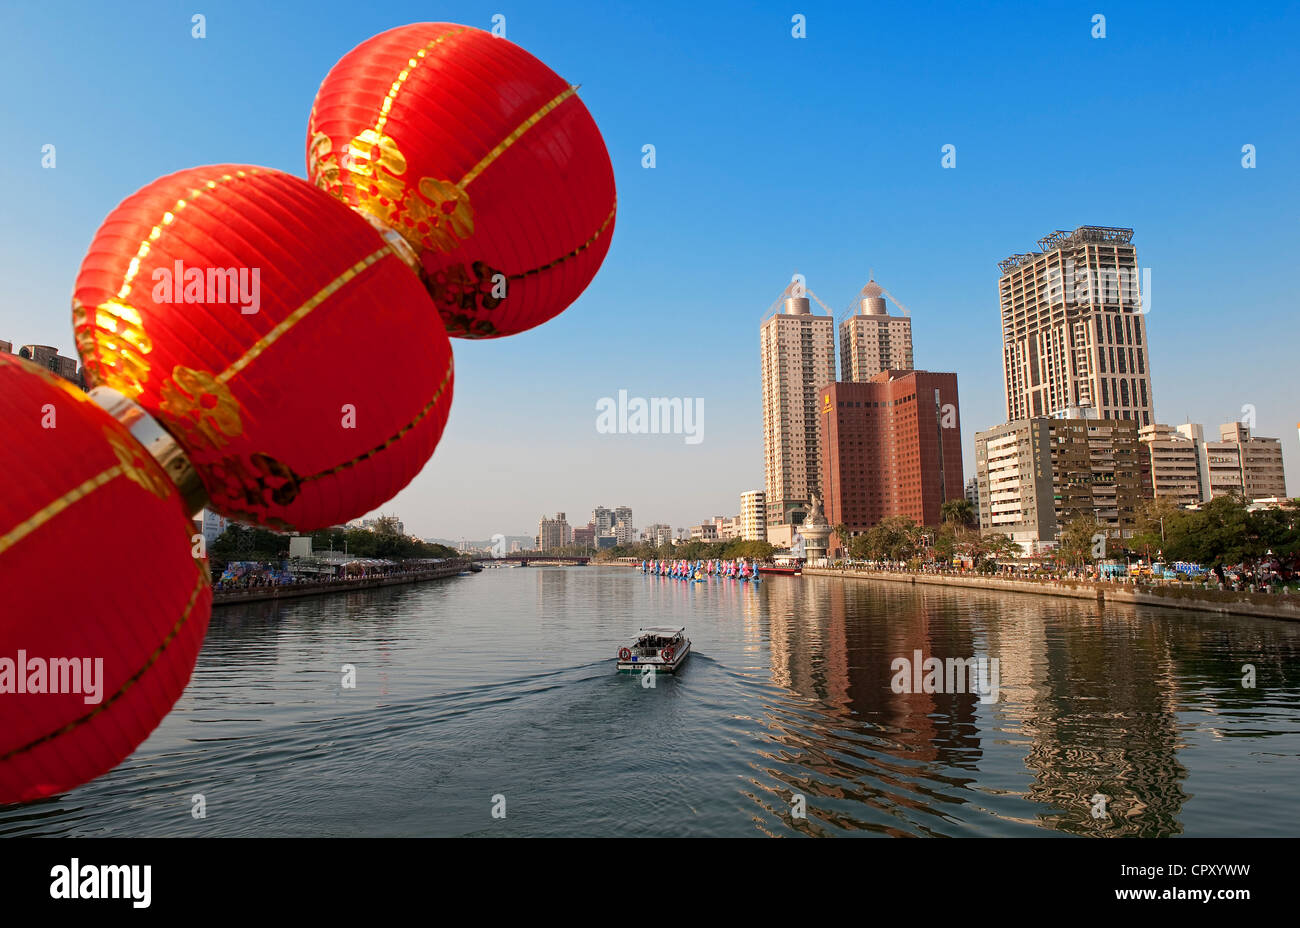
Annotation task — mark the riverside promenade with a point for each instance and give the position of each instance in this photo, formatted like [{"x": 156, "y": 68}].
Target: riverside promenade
[
  {"x": 1174, "y": 596},
  {"x": 320, "y": 587}
]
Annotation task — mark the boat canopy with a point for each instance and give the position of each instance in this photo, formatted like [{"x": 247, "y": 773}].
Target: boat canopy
[{"x": 663, "y": 631}]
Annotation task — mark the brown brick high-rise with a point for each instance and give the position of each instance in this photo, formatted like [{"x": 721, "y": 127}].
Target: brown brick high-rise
[{"x": 890, "y": 447}]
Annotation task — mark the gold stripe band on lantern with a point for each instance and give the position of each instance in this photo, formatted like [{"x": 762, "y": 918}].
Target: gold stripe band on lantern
[
  {"x": 49, "y": 511},
  {"x": 138, "y": 460},
  {"x": 411, "y": 65},
  {"x": 224, "y": 418},
  {"x": 382, "y": 163},
  {"x": 514, "y": 136},
  {"x": 428, "y": 407},
  {"x": 115, "y": 328},
  {"x": 573, "y": 254},
  {"x": 167, "y": 219},
  {"x": 321, "y": 295},
  {"x": 121, "y": 690}
]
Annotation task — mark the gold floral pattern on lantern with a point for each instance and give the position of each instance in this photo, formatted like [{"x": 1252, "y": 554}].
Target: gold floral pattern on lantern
[
  {"x": 112, "y": 342},
  {"x": 112, "y": 338},
  {"x": 436, "y": 214},
  {"x": 203, "y": 406},
  {"x": 137, "y": 466},
  {"x": 460, "y": 325},
  {"x": 376, "y": 166},
  {"x": 430, "y": 214},
  {"x": 322, "y": 163},
  {"x": 441, "y": 214}
]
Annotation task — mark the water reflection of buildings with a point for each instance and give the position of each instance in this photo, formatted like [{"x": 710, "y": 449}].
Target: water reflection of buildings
[
  {"x": 809, "y": 654},
  {"x": 603, "y": 593},
  {"x": 825, "y": 644},
  {"x": 552, "y": 593},
  {"x": 669, "y": 601},
  {"x": 851, "y": 737},
  {"x": 1101, "y": 720},
  {"x": 1093, "y": 695}
]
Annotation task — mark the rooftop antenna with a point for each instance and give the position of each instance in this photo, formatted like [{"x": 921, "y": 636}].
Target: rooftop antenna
[
  {"x": 786, "y": 293},
  {"x": 829, "y": 311},
  {"x": 854, "y": 307},
  {"x": 906, "y": 311},
  {"x": 789, "y": 291}
]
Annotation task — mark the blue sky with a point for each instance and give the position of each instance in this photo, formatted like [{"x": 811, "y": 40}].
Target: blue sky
[{"x": 774, "y": 154}]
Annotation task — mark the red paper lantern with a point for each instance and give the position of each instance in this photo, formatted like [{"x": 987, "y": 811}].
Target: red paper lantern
[
  {"x": 482, "y": 158},
  {"x": 95, "y": 565},
  {"x": 275, "y": 334}
]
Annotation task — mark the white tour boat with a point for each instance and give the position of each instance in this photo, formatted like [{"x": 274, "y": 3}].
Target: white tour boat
[{"x": 662, "y": 647}]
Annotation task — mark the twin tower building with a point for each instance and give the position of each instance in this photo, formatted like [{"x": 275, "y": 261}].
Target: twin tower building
[{"x": 886, "y": 439}]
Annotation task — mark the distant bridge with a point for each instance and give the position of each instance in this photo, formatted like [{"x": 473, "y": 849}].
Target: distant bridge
[{"x": 537, "y": 560}]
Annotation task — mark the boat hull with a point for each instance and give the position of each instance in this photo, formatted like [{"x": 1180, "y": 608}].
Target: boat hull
[{"x": 639, "y": 666}]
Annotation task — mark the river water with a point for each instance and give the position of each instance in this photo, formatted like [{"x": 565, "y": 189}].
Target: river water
[{"x": 497, "y": 693}]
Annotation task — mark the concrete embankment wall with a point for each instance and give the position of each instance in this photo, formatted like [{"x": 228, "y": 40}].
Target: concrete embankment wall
[
  {"x": 295, "y": 591},
  {"x": 1265, "y": 605}
]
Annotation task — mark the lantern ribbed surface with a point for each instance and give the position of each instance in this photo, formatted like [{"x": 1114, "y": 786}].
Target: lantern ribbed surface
[
  {"x": 482, "y": 158},
  {"x": 96, "y": 564},
  {"x": 311, "y": 410}
]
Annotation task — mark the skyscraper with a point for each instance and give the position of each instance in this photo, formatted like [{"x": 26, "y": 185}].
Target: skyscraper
[
  {"x": 1073, "y": 329},
  {"x": 891, "y": 447},
  {"x": 871, "y": 340},
  {"x": 798, "y": 359}
]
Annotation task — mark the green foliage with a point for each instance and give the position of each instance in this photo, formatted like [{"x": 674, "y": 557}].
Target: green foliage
[
  {"x": 983, "y": 550},
  {"x": 896, "y": 538},
  {"x": 945, "y": 542},
  {"x": 1075, "y": 545},
  {"x": 1223, "y": 532},
  {"x": 1002, "y": 546},
  {"x": 382, "y": 542},
  {"x": 958, "y": 512},
  {"x": 899, "y": 539},
  {"x": 248, "y": 543},
  {"x": 1157, "y": 520}
]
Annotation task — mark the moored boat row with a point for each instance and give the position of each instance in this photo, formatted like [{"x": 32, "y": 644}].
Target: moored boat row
[{"x": 699, "y": 571}]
